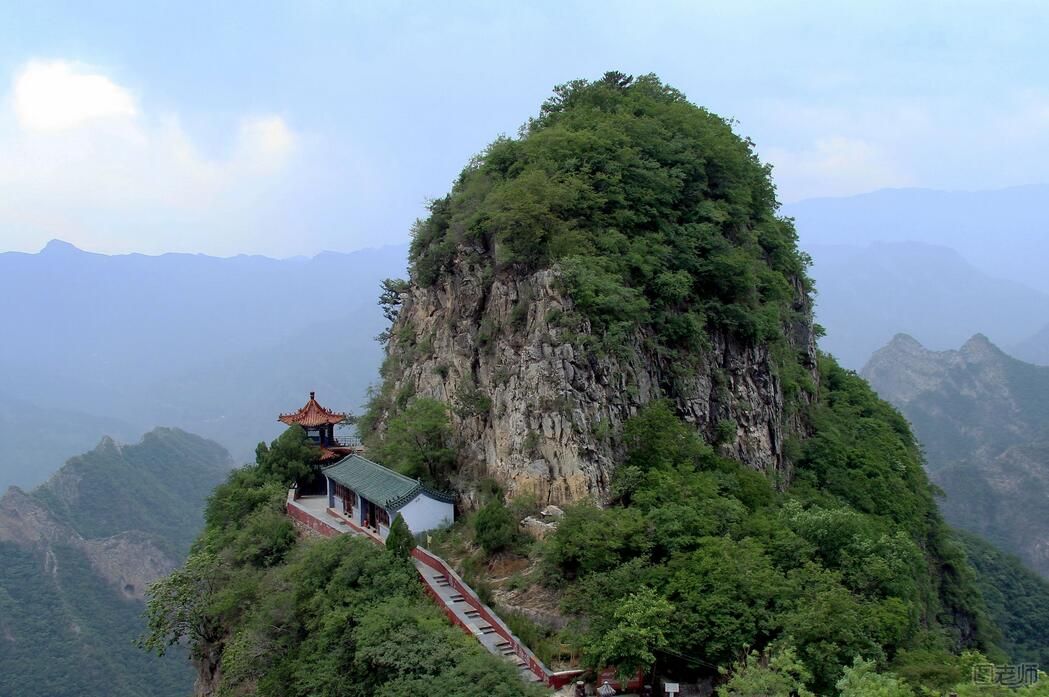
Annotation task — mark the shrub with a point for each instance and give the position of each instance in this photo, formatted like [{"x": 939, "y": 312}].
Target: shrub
[{"x": 494, "y": 527}]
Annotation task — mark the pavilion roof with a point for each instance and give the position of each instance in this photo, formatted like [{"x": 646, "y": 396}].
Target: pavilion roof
[
  {"x": 312, "y": 415},
  {"x": 380, "y": 485}
]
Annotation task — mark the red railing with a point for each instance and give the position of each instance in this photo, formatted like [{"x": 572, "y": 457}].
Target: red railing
[{"x": 535, "y": 666}]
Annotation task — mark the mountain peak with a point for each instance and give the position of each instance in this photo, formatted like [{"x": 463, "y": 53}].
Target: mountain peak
[
  {"x": 905, "y": 341},
  {"x": 979, "y": 347},
  {"x": 60, "y": 247}
]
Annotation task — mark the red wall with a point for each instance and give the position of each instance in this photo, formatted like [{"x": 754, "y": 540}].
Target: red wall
[{"x": 301, "y": 516}]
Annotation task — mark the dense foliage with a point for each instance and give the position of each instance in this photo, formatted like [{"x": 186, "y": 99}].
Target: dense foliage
[
  {"x": 837, "y": 567},
  {"x": 1017, "y": 598},
  {"x": 290, "y": 617},
  {"x": 494, "y": 527},
  {"x": 417, "y": 442},
  {"x": 657, "y": 214}
]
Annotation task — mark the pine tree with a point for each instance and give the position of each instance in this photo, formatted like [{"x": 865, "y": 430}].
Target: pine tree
[{"x": 400, "y": 540}]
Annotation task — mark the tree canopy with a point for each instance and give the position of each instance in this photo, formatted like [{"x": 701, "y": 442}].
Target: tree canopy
[
  {"x": 658, "y": 215},
  {"x": 284, "y": 616},
  {"x": 837, "y": 566}
]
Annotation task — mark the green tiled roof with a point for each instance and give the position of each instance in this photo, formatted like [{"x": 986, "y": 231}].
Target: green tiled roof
[{"x": 380, "y": 485}]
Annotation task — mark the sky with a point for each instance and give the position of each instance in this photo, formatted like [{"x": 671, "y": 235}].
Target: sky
[{"x": 288, "y": 128}]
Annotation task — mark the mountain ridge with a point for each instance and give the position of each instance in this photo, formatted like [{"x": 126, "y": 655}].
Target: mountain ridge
[
  {"x": 867, "y": 294},
  {"x": 983, "y": 419},
  {"x": 995, "y": 226},
  {"x": 77, "y": 555}
]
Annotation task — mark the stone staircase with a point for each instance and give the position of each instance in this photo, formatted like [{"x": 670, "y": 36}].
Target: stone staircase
[
  {"x": 465, "y": 609},
  {"x": 458, "y": 601}
]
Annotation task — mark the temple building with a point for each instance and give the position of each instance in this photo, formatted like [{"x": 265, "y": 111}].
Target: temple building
[{"x": 371, "y": 496}]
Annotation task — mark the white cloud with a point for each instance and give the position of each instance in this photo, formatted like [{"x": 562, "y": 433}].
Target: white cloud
[
  {"x": 267, "y": 140},
  {"x": 57, "y": 95},
  {"x": 82, "y": 159},
  {"x": 834, "y": 166}
]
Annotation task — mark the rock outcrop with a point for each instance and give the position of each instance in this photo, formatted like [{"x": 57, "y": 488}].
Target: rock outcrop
[
  {"x": 128, "y": 562},
  {"x": 542, "y": 416}
]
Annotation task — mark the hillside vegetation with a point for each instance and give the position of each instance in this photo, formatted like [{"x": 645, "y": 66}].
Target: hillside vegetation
[
  {"x": 656, "y": 213},
  {"x": 76, "y": 556},
  {"x": 265, "y": 611},
  {"x": 1018, "y": 600},
  {"x": 698, "y": 559},
  {"x": 658, "y": 218},
  {"x": 820, "y": 567}
]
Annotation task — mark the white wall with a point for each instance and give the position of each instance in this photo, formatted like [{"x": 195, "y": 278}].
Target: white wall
[{"x": 423, "y": 513}]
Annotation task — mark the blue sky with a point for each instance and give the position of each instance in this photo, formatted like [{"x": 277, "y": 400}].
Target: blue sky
[{"x": 289, "y": 128}]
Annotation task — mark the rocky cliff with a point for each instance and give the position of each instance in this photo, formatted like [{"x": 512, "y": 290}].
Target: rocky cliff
[
  {"x": 128, "y": 562},
  {"x": 983, "y": 419},
  {"x": 541, "y": 415}
]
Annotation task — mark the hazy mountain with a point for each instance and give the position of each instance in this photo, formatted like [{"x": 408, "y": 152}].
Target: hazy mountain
[
  {"x": 1034, "y": 349},
  {"x": 1005, "y": 231},
  {"x": 214, "y": 345},
  {"x": 867, "y": 294},
  {"x": 983, "y": 419},
  {"x": 35, "y": 440},
  {"x": 77, "y": 554}
]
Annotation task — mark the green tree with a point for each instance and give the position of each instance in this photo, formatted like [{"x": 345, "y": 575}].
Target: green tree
[
  {"x": 288, "y": 459},
  {"x": 263, "y": 538},
  {"x": 177, "y": 608},
  {"x": 862, "y": 679},
  {"x": 727, "y": 596},
  {"x": 589, "y": 539},
  {"x": 417, "y": 442},
  {"x": 776, "y": 673},
  {"x": 494, "y": 527},
  {"x": 657, "y": 439},
  {"x": 400, "y": 541},
  {"x": 638, "y": 630}
]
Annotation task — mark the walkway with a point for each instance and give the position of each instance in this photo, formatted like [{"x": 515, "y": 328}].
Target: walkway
[{"x": 458, "y": 601}]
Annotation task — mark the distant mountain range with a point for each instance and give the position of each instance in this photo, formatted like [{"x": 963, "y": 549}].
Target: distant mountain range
[
  {"x": 1005, "y": 231},
  {"x": 77, "y": 555},
  {"x": 983, "y": 419},
  {"x": 867, "y": 294},
  {"x": 1034, "y": 349},
  {"x": 100, "y": 344}
]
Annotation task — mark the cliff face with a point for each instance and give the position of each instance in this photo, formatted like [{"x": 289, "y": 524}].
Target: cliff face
[
  {"x": 542, "y": 416},
  {"x": 128, "y": 562},
  {"x": 625, "y": 248}
]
